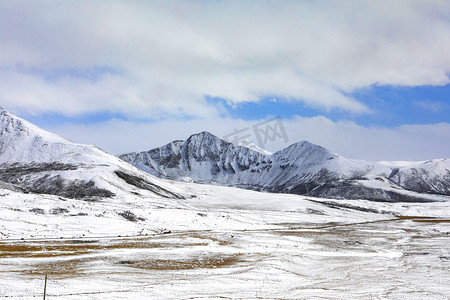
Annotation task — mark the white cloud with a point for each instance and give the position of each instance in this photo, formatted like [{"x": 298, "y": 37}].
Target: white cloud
[
  {"x": 172, "y": 53},
  {"x": 164, "y": 57},
  {"x": 407, "y": 142},
  {"x": 32, "y": 93}
]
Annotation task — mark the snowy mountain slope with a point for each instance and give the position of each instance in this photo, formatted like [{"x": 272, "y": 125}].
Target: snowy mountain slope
[
  {"x": 34, "y": 160},
  {"x": 302, "y": 168},
  {"x": 250, "y": 145},
  {"x": 429, "y": 177}
]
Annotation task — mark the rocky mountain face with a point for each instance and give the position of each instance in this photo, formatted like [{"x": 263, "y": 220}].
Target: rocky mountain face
[
  {"x": 34, "y": 160},
  {"x": 302, "y": 168}
]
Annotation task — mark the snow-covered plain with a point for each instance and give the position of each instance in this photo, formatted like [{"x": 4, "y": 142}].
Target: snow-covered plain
[{"x": 225, "y": 243}]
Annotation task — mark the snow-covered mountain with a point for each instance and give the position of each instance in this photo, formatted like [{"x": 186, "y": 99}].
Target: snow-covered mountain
[
  {"x": 302, "y": 168},
  {"x": 34, "y": 160}
]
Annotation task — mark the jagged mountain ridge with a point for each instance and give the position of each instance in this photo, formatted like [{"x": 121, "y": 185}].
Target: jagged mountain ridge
[
  {"x": 37, "y": 161},
  {"x": 302, "y": 168}
]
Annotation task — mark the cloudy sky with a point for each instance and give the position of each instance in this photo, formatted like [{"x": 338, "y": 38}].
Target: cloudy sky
[{"x": 366, "y": 79}]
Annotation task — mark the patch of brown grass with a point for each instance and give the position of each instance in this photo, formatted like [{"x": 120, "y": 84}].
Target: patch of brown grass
[
  {"x": 79, "y": 247},
  {"x": 411, "y": 217},
  {"x": 432, "y": 220},
  {"x": 26, "y": 249},
  {"x": 210, "y": 262},
  {"x": 424, "y": 219},
  {"x": 57, "y": 269}
]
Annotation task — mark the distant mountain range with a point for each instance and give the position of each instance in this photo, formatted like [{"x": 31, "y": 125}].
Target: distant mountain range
[
  {"x": 33, "y": 160},
  {"x": 302, "y": 168}
]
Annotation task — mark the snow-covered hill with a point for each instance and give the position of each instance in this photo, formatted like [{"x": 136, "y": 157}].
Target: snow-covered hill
[
  {"x": 432, "y": 176},
  {"x": 302, "y": 168},
  {"x": 34, "y": 160}
]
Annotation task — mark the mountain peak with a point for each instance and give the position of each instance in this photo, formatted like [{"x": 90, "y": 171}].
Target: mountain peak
[
  {"x": 304, "y": 147},
  {"x": 11, "y": 124},
  {"x": 4, "y": 112},
  {"x": 204, "y": 134},
  {"x": 22, "y": 141},
  {"x": 206, "y": 139}
]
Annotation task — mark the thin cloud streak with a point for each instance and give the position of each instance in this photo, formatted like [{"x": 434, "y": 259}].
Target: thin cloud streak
[{"x": 432, "y": 106}]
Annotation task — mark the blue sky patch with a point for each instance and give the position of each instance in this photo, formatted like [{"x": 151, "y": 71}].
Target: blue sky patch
[{"x": 390, "y": 106}]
